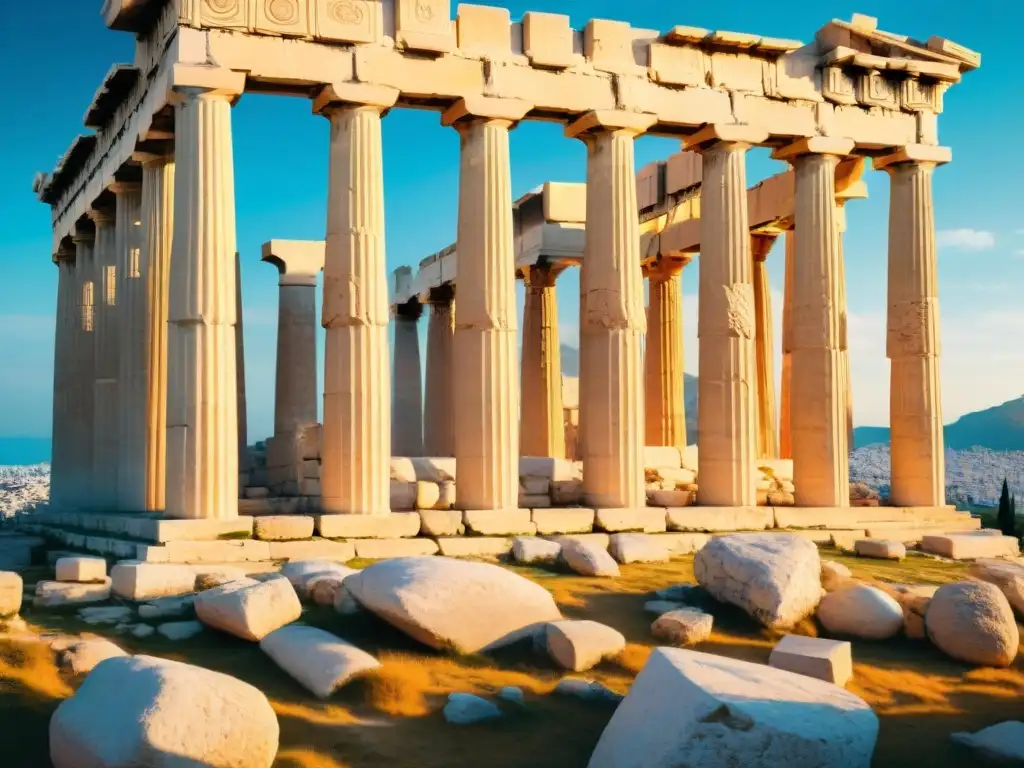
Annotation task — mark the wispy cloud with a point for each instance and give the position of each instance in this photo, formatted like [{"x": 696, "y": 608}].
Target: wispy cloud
[{"x": 965, "y": 239}]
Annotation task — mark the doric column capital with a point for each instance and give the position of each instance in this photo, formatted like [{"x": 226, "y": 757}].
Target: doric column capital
[
  {"x": 411, "y": 310},
  {"x": 154, "y": 153},
  {"x": 664, "y": 269},
  {"x": 120, "y": 188},
  {"x": 442, "y": 294},
  {"x": 542, "y": 275},
  {"x": 761, "y": 246},
  {"x": 65, "y": 253},
  {"x": 634, "y": 123},
  {"x": 335, "y": 96},
  {"x": 817, "y": 145},
  {"x": 737, "y": 136},
  {"x": 213, "y": 82},
  {"x": 297, "y": 261},
  {"x": 913, "y": 154},
  {"x": 101, "y": 217},
  {"x": 472, "y": 108},
  {"x": 83, "y": 237}
]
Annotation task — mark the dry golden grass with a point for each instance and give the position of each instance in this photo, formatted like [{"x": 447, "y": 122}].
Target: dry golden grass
[{"x": 393, "y": 718}]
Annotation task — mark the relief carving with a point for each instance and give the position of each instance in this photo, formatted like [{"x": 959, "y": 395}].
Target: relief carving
[
  {"x": 837, "y": 86},
  {"x": 225, "y": 13},
  {"x": 916, "y": 96},
  {"x": 284, "y": 17},
  {"x": 424, "y": 16},
  {"x": 350, "y": 21},
  {"x": 284, "y": 12},
  {"x": 874, "y": 90},
  {"x": 739, "y": 299}
]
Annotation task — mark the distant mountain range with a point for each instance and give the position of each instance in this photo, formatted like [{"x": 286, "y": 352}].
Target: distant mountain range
[{"x": 999, "y": 428}]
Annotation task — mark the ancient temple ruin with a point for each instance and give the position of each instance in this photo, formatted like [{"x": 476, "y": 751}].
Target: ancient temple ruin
[{"x": 146, "y": 386}]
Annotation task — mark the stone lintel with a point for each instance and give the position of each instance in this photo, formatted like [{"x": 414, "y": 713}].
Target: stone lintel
[
  {"x": 216, "y": 80},
  {"x": 153, "y": 156},
  {"x": 473, "y": 107},
  {"x": 354, "y": 95},
  {"x": 610, "y": 120},
  {"x": 913, "y": 153},
  {"x": 298, "y": 261},
  {"x": 816, "y": 145},
  {"x": 125, "y": 187},
  {"x": 712, "y": 134}
]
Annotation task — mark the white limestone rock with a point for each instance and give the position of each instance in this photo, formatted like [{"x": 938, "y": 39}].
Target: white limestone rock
[
  {"x": 828, "y": 660},
  {"x": 530, "y": 549},
  {"x": 145, "y": 581},
  {"x": 580, "y": 645},
  {"x": 973, "y": 621},
  {"x": 637, "y": 548},
  {"x": 55, "y": 594},
  {"x": 882, "y": 549},
  {"x": 684, "y": 626},
  {"x": 12, "y": 590},
  {"x": 319, "y": 661},
  {"x": 861, "y": 611},
  {"x": 144, "y": 711},
  {"x": 180, "y": 630},
  {"x": 774, "y": 577},
  {"x": 1003, "y": 741},
  {"x": 302, "y": 573},
  {"x": 208, "y": 577},
  {"x": 82, "y": 656},
  {"x": 1007, "y": 575},
  {"x": 696, "y": 709},
  {"x": 81, "y": 569},
  {"x": 454, "y": 604},
  {"x": 466, "y": 709},
  {"x": 588, "y": 559},
  {"x": 834, "y": 575},
  {"x": 249, "y": 609}
]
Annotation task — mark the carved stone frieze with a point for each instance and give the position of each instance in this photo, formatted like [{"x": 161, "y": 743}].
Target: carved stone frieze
[
  {"x": 875, "y": 90},
  {"x": 678, "y": 64},
  {"x": 424, "y": 24},
  {"x": 226, "y": 14},
  {"x": 285, "y": 17},
  {"x": 350, "y": 21},
  {"x": 837, "y": 86},
  {"x": 916, "y": 96}
]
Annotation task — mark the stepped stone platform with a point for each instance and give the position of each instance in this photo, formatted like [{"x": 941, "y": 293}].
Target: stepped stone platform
[{"x": 456, "y": 533}]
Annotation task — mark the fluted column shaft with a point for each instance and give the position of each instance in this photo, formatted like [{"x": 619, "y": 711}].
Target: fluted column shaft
[
  {"x": 407, "y": 383},
  {"x": 727, "y": 413},
  {"x": 913, "y": 343},
  {"x": 613, "y": 324},
  {"x": 844, "y": 339},
  {"x": 202, "y": 412},
  {"x": 61, "y": 450},
  {"x": 158, "y": 226},
  {"x": 786, "y": 384},
  {"x": 664, "y": 402},
  {"x": 82, "y": 400},
  {"x": 106, "y": 398},
  {"x": 486, "y": 386},
  {"x": 356, "y": 455},
  {"x": 542, "y": 418},
  {"x": 295, "y": 391},
  {"x": 132, "y": 358},
  {"x": 243, "y": 420},
  {"x": 439, "y": 409},
  {"x": 764, "y": 345}
]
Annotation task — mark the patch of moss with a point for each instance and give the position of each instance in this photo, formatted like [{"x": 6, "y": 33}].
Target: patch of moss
[{"x": 234, "y": 536}]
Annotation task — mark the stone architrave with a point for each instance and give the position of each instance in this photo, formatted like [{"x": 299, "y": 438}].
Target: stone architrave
[
  {"x": 664, "y": 403},
  {"x": 243, "y": 417},
  {"x": 202, "y": 402},
  {"x": 158, "y": 232},
  {"x": 299, "y": 263},
  {"x": 786, "y": 383},
  {"x": 486, "y": 387},
  {"x": 726, "y": 326},
  {"x": 542, "y": 417},
  {"x": 818, "y": 425},
  {"x": 84, "y": 367},
  {"x": 130, "y": 410},
  {"x": 764, "y": 345},
  {"x": 62, "y": 436},
  {"x": 106, "y": 400},
  {"x": 439, "y": 408},
  {"x": 912, "y": 344},
  {"x": 356, "y": 451},
  {"x": 407, "y": 382},
  {"x": 612, "y": 317}
]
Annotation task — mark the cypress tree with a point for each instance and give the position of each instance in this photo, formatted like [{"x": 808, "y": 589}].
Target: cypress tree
[
  {"x": 1005, "y": 517},
  {"x": 1013, "y": 515}
]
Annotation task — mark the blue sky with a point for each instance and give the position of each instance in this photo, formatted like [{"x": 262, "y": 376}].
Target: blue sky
[{"x": 57, "y": 53}]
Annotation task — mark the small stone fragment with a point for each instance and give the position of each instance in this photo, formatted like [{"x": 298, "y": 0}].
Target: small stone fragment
[
  {"x": 466, "y": 709},
  {"x": 685, "y": 626},
  {"x": 588, "y": 559},
  {"x": 530, "y": 549},
  {"x": 882, "y": 549},
  {"x": 828, "y": 660},
  {"x": 1003, "y": 741},
  {"x": 861, "y": 611},
  {"x": 81, "y": 569},
  {"x": 637, "y": 548},
  {"x": 580, "y": 645},
  {"x": 180, "y": 630}
]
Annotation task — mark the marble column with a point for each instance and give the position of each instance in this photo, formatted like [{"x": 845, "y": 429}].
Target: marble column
[
  {"x": 913, "y": 342},
  {"x": 132, "y": 358},
  {"x": 613, "y": 321},
  {"x": 844, "y": 337},
  {"x": 84, "y": 357},
  {"x": 158, "y": 224},
  {"x": 486, "y": 387},
  {"x": 764, "y": 345},
  {"x": 786, "y": 384},
  {"x": 62, "y": 435},
  {"x": 298, "y": 264},
  {"x": 665, "y": 405},
  {"x": 818, "y": 428},
  {"x": 106, "y": 398},
  {"x": 407, "y": 383},
  {"x": 202, "y": 405},
  {"x": 243, "y": 417},
  {"x": 542, "y": 417},
  {"x": 726, "y": 326},
  {"x": 355, "y": 473},
  {"x": 439, "y": 408}
]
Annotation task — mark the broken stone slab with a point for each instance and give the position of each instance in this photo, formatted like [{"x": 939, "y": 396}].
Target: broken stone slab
[
  {"x": 588, "y": 559},
  {"x": 318, "y": 660},
  {"x": 456, "y": 605},
  {"x": 441, "y": 522},
  {"x": 560, "y": 521},
  {"x": 397, "y": 525},
  {"x": 683, "y": 626},
  {"x": 467, "y": 708},
  {"x": 530, "y": 549},
  {"x": 860, "y": 610},
  {"x": 882, "y": 549},
  {"x": 82, "y": 569},
  {"x": 130, "y": 709},
  {"x": 719, "y": 711},
  {"x": 383, "y": 549},
  {"x": 249, "y": 609},
  {"x": 82, "y": 656},
  {"x": 12, "y": 591},
  {"x": 474, "y": 546},
  {"x": 972, "y": 621},
  {"x": 145, "y": 581},
  {"x": 54, "y": 594},
  {"x": 179, "y": 630},
  {"x": 105, "y": 614},
  {"x": 1000, "y": 742},
  {"x": 637, "y": 548},
  {"x": 968, "y": 546},
  {"x": 580, "y": 645},
  {"x": 490, "y": 522},
  {"x": 283, "y": 527},
  {"x": 828, "y": 660},
  {"x": 166, "y": 607}
]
